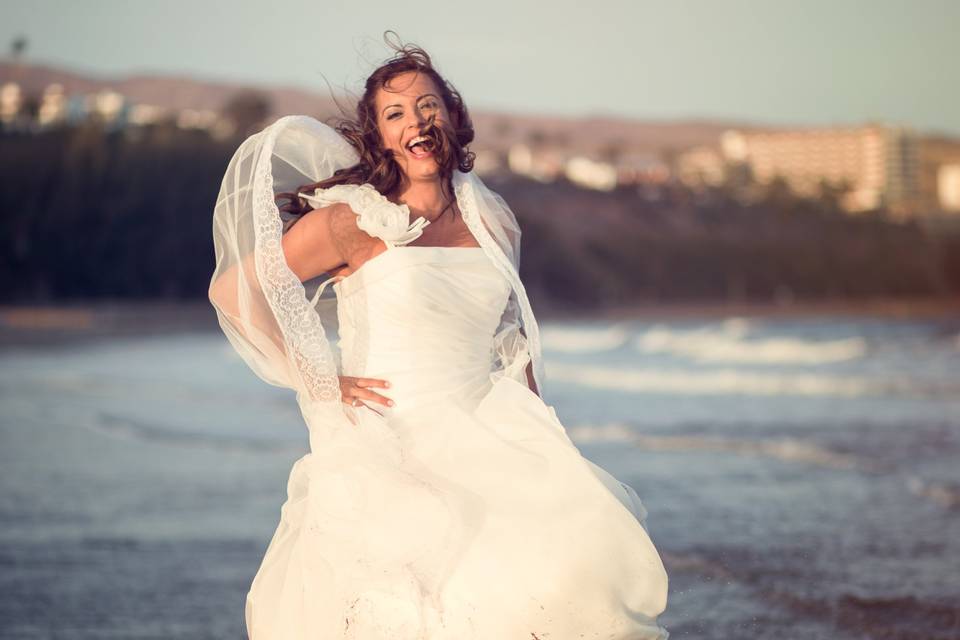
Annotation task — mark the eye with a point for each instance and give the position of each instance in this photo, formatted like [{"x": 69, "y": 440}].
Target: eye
[
  {"x": 432, "y": 104},
  {"x": 393, "y": 115}
]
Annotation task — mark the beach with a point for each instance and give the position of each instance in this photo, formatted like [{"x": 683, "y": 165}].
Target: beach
[{"x": 798, "y": 467}]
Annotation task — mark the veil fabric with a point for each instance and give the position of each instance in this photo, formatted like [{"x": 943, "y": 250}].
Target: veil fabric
[{"x": 262, "y": 306}]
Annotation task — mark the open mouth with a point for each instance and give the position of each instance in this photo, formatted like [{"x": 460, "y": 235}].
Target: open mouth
[{"x": 420, "y": 147}]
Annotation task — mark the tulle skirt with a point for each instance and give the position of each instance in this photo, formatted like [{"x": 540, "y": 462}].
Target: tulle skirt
[{"x": 459, "y": 522}]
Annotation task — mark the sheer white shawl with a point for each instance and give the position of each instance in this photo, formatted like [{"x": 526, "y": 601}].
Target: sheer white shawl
[{"x": 262, "y": 306}]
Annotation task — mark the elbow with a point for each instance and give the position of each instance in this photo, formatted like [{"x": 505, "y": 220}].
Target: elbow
[{"x": 222, "y": 296}]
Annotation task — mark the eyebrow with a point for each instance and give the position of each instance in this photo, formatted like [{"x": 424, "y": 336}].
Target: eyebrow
[{"x": 418, "y": 100}]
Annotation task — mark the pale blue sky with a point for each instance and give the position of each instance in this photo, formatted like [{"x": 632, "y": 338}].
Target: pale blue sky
[{"x": 773, "y": 61}]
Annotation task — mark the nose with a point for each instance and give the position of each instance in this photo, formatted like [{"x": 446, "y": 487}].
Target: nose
[{"x": 418, "y": 118}]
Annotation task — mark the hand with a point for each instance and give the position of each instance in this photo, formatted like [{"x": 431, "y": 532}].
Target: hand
[{"x": 354, "y": 391}]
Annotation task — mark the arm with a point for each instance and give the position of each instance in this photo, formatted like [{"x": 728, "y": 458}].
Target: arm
[
  {"x": 530, "y": 381},
  {"x": 237, "y": 292},
  {"x": 314, "y": 245},
  {"x": 311, "y": 246},
  {"x": 320, "y": 241},
  {"x": 309, "y": 249},
  {"x": 528, "y": 370}
]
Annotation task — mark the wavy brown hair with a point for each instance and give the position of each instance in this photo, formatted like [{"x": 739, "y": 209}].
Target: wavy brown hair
[{"x": 377, "y": 165}]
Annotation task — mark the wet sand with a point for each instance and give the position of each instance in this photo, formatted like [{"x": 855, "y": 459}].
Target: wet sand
[
  {"x": 801, "y": 481},
  {"x": 54, "y": 324}
]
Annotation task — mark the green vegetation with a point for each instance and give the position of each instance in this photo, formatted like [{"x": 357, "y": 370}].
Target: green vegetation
[
  {"x": 669, "y": 244},
  {"x": 89, "y": 213}
]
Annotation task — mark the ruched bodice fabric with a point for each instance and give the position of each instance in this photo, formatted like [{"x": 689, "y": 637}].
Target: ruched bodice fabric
[{"x": 424, "y": 319}]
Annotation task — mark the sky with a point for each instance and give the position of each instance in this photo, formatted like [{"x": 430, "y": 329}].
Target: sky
[{"x": 778, "y": 62}]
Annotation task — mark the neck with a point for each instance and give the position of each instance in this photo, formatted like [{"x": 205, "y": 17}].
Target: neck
[{"x": 424, "y": 198}]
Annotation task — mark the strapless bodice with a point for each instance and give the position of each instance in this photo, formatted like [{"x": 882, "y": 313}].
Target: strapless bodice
[{"x": 424, "y": 319}]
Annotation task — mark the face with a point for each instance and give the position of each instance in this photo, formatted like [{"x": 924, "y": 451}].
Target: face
[{"x": 403, "y": 108}]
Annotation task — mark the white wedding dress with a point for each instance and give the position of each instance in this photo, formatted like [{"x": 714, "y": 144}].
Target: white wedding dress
[{"x": 464, "y": 512}]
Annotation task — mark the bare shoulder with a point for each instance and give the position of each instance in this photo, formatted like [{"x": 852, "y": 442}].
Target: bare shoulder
[
  {"x": 328, "y": 240},
  {"x": 342, "y": 222},
  {"x": 335, "y": 223},
  {"x": 315, "y": 243},
  {"x": 353, "y": 243}
]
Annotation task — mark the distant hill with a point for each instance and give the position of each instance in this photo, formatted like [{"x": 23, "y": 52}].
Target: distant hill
[
  {"x": 172, "y": 92},
  {"x": 590, "y": 133},
  {"x": 494, "y": 129}
]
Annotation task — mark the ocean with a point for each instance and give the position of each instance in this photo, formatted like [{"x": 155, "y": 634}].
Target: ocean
[{"x": 802, "y": 476}]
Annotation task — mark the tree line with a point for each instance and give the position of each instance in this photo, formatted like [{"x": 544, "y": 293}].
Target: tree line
[{"x": 89, "y": 213}]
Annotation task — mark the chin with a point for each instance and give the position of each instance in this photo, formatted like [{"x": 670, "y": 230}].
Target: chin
[{"x": 423, "y": 173}]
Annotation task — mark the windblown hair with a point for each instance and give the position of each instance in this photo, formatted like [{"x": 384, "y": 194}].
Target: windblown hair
[{"x": 377, "y": 165}]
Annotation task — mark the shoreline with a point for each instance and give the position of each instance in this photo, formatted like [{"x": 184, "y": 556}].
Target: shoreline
[
  {"x": 899, "y": 308},
  {"x": 44, "y": 324}
]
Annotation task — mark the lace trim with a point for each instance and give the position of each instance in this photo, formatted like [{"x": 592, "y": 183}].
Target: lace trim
[
  {"x": 376, "y": 214},
  {"x": 303, "y": 334}
]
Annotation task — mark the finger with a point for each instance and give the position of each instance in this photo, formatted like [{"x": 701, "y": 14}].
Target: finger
[
  {"x": 373, "y": 396},
  {"x": 361, "y": 404},
  {"x": 372, "y": 382}
]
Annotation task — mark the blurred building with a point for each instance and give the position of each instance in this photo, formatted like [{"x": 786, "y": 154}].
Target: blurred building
[
  {"x": 146, "y": 114},
  {"x": 589, "y": 168},
  {"x": 544, "y": 164},
  {"x": 53, "y": 106},
  {"x": 11, "y": 98},
  {"x": 197, "y": 118},
  {"x": 948, "y": 187},
  {"x": 878, "y": 165},
  {"x": 700, "y": 166},
  {"x": 940, "y": 174},
  {"x": 640, "y": 167},
  {"x": 112, "y": 107},
  {"x": 488, "y": 160},
  {"x": 590, "y": 173}
]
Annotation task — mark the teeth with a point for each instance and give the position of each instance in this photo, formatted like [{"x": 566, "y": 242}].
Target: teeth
[{"x": 416, "y": 140}]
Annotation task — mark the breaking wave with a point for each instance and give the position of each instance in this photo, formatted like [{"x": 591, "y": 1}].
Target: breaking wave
[
  {"x": 581, "y": 340},
  {"x": 785, "y": 449},
  {"x": 729, "y": 343},
  {"x": 947, "y": 495},
  {"x": 722, "y": 381}
]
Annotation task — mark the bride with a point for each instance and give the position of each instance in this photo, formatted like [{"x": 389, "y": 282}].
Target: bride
[{"x": 441, "y": 497}]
